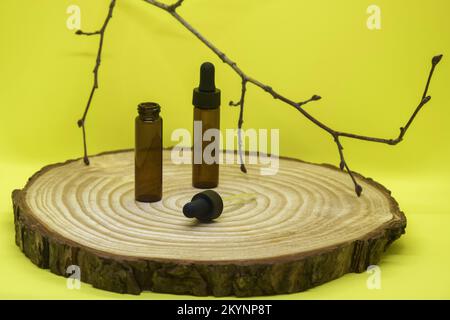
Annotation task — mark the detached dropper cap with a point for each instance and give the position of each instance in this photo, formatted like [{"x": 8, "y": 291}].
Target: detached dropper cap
[
  {"x": 206, "y": 96},
  {"x": 205, "y": 206}
]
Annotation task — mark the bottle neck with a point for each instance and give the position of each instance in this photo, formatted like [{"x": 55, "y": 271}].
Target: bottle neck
[{"x": 149, "y": 111}]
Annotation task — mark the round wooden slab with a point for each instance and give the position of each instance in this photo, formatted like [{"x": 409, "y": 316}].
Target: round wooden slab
[{"x": 303, "y": 227}]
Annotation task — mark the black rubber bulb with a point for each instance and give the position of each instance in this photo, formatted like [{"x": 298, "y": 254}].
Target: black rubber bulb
[
  {"x": 207, "y": 82},
  {"x": 205, "y": 206}
]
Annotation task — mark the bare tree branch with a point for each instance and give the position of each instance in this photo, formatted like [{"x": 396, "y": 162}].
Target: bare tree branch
[
  {"x": 245, "y": 78},
  {"x": 82, "y": 122}
]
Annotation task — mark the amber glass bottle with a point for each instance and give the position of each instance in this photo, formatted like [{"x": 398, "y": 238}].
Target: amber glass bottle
[
  {"x": 206, "y": 101},
  {"x": 148, "y": 153}
]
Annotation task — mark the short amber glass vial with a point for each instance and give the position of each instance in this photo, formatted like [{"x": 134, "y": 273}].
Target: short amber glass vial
[{"x": 148, "y": 153}]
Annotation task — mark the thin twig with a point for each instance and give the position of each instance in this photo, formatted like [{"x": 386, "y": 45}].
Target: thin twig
[
  {"x": 82, "y": 33},
  {"x": 343, "y": 165},
  {"x": 82, "y": 122},
  {"x": 313, "y": 98},
  {"x": 172, "y": 10},
  {"x": 241, "y": 103}
]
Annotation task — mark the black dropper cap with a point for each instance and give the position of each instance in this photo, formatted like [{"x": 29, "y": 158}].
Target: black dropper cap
[
  {"x": 205, "y": 206},
  {"x": 206, "y": 96}
]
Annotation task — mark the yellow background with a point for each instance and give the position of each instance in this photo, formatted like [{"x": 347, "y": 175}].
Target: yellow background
[{"x": 370, "y": 82}]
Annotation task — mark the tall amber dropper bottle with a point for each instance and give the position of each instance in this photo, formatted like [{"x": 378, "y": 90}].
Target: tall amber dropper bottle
[
  {"x": 148, "y": 153},
  {"x": 206, "y": 101}
]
